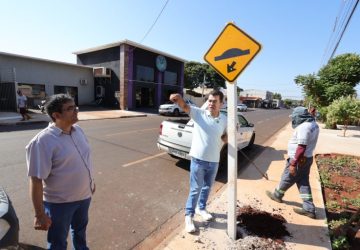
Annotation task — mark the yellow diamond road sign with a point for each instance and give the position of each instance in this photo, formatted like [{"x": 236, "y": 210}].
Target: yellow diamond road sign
[{"x": 232, "y": 52}]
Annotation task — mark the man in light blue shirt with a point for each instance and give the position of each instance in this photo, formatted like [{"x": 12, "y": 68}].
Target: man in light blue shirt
[{"x": 208, "y": 136}]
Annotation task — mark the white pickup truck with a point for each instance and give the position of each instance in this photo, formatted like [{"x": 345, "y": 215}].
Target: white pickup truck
[
  {"x": 175, "y": 137},
  {"x": 171, "y": 108}
]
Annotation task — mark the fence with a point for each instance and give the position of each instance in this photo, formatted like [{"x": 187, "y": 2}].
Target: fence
[{"x": 7, "y": 89}]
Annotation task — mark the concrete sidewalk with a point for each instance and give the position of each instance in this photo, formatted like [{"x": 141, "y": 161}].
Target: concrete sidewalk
[
  {"x": 13, "y": 118},
  {"x": 306, "y": 233}
]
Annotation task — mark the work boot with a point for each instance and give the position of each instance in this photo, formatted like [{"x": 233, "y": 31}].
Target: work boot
[
  {"x": 189, "y": 224},
  {"x": 272, "y": 196},
  {"x": 301, "y": 211},
  {"x": 204, "y": 214}
]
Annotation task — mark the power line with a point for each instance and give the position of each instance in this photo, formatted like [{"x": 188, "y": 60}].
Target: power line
[
  {"x": 347, "y": 23},
  {"x": 152, "y": 26},
  {"x": 332, "y": 35},
  {"x": 341, "y": 26},
  {"x": 341, "y": 22}
]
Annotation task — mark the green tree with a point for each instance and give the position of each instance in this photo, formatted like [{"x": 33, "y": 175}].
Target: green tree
[
  {"x": 194, "y": 73},
  {"x": 214, "y": 79},
  {"x": 288, "y": 103},
  {"x": 238, "y": 90},
  {"x": 277, "y": 96},
  {"x": 338, "y": 78},
  {"x": 344, "y": 111}
]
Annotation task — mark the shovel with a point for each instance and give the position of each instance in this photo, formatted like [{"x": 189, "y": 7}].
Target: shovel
[{"x": 258, "y": 169}]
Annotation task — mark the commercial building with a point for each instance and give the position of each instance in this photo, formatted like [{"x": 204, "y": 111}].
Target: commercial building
[
  {"x": 134, "y": 75},
  {"x": 256, "y": 98},
  {"x": 39, "y": 78},
  {"x": 124, "y": 75}
]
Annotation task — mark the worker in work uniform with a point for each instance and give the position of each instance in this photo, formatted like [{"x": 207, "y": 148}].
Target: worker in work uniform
[{"x": 300, "y": 152}]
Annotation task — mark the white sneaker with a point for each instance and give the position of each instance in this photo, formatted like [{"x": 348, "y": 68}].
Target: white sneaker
[
  {"x": 189, "y": 224},
  {"x": 204, "y": 214}
]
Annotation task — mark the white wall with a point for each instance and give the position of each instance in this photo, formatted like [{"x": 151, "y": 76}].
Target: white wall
[{"x": 37, "y": 71}]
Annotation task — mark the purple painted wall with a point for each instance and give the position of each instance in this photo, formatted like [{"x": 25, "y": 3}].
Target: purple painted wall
[
  {"x": 159, "y": 87},
  {"x": 182, "y": 78},
  {"x": 130, "y": 104}
]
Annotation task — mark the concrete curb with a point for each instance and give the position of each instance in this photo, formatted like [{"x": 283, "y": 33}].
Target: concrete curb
[{"x": 10, "y": 119}]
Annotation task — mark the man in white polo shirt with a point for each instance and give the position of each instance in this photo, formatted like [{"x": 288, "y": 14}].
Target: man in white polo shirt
[
  {"x": 300, "y": 152},
  {"x": 61, "y": 176},
  {"x": 209, "y": 131}
]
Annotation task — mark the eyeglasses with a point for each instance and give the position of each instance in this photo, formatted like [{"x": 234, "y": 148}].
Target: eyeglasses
[{"x": 71, "y": 109}]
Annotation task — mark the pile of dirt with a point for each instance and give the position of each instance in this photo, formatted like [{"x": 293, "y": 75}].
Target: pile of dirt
[{"x": 261, "y": 223}]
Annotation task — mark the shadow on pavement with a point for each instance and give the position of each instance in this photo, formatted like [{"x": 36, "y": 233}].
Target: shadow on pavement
[
  {"x": 25, "y": 126},
  {"x": 243, "y": 162},
  {"x": 23, "y": 246}
]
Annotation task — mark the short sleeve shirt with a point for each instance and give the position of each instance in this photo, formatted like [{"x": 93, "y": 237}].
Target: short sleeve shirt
[
  {"x": 306, "y": 133},
  {"x": 63, "y": 162},
  {"x": 206, "y": 141},
  {"x": 22, "y": 101}
]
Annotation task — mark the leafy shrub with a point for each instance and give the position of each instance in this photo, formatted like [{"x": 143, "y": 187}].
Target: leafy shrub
[
  {"x": 340, "y": 243},
  {"x": 356, "y": 201},
  {"x": 334, "y": 224},
  {"x": 344, "y": 111}
]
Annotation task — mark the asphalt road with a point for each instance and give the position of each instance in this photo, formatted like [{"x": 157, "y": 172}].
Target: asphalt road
[{"x": 138, "y": 187}]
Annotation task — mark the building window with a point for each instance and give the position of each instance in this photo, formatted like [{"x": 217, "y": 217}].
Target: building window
[
  {"x": 170, "y": 78},
  {"x": 144, "y": 73}
]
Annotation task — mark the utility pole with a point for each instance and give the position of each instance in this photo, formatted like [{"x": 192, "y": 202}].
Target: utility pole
[{"x": 203, "y": 86}]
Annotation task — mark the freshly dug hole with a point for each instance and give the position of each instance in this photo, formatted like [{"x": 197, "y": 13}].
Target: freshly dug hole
[{"x": 262, "y": 224}]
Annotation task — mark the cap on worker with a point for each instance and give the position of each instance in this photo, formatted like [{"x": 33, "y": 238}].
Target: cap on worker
[
  {"x": 300, "y": 115},
  {"x": 300, "y": 111}
]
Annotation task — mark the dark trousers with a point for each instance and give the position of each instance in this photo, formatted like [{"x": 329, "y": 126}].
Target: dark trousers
[{"x": 302, "y": 181}]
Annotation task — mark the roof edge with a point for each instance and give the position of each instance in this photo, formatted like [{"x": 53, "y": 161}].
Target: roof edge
[
  {"x": 44, "y": 60},
  {"x": 131, "y": 43}
]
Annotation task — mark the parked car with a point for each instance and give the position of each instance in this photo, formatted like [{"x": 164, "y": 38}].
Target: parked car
[
  {"x": 175, "y": 136},
  {"x": 241, "y": 107},
  {"x": 171, "y": 108},
  {"x": 9, "y": 223}
]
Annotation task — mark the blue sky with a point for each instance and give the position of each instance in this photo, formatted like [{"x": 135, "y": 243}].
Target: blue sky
[{"x": 293, "y": 34}]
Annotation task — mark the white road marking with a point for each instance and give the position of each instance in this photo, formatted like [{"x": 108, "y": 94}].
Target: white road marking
[{"x": 144, "y": 159}]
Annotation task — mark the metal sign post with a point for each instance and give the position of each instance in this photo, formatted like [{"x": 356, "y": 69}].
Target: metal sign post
[
  {"x": 232, "y": 157},
  {"x": 229, "y": 55}
]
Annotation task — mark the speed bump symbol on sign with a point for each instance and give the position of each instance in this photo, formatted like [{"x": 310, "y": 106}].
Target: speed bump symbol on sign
[{"x": 231, "y": 52}]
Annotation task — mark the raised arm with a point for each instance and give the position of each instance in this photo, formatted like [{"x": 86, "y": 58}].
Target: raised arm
[{"x": 176, "y": 98}]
